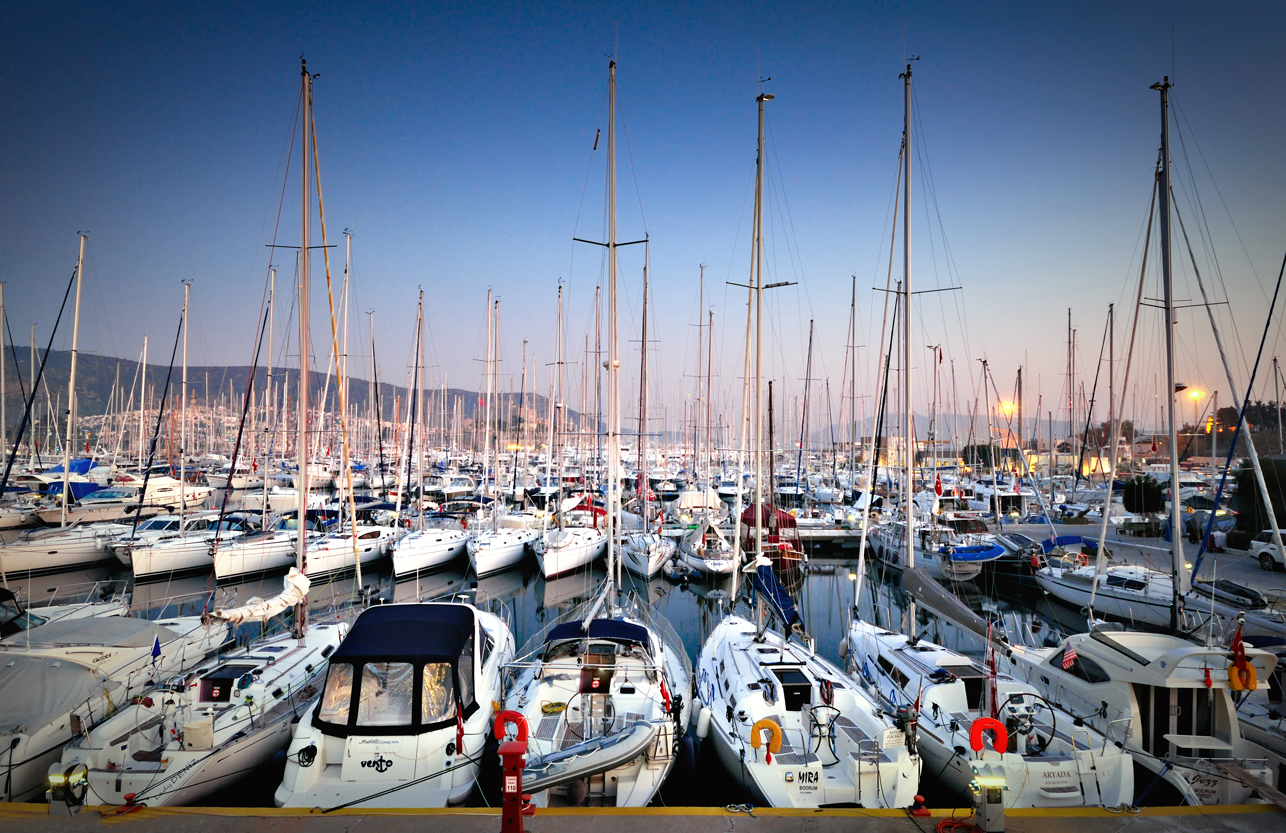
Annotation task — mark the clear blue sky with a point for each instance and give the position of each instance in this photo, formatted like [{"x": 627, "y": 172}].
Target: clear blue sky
[{"x": 456, "y": 144}]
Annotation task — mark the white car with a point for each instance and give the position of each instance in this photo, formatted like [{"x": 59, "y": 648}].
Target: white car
[{"x": 1263, "y": 548}]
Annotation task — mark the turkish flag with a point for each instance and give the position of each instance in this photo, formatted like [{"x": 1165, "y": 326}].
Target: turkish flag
[{"x": 937, "y": 486}]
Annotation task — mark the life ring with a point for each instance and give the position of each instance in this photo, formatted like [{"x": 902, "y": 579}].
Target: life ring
[
  {"x": 980, "y": 725},
  {"x": 1239, "y": 680},
  {"x": 1082, "y": 559},
  {"x": 516, "y": 718},
  {"x": 774, "y": 739},
  {"x": 827, "y": 691}
]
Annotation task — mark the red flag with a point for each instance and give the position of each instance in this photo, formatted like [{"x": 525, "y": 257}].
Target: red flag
[
  {"x": 1239, "y": 653},
  {"x": 937, "y": 486}
]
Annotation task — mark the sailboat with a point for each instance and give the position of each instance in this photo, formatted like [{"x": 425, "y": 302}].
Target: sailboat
[
  {"x": 426, "y": 547},
  {"x": 644, "y": 552},
  {"x": 498, "y": 547},
  {"x": 783, "y": 720},
  {"x": 564, "y": 548},
  {"x": 607, "y": 687},
  {"x": 1166, "y": 696}
]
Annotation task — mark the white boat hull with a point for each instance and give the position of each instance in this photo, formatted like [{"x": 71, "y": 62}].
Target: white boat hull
[
  {"x": 427, "y": 549},
  {"x": 494, "y": 551},
  {"x": 564, "y": 550}
]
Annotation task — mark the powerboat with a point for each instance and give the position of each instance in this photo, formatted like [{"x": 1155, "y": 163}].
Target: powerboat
[{"x": 405, "y": 711}]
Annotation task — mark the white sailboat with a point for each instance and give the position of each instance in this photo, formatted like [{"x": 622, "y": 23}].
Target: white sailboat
[
  {"x": 607, "y": 687},
  {"x": 782, "y": 719}
]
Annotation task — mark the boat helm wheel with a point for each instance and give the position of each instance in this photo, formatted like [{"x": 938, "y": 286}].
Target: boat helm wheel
[
  {"x": 1024, "y": 721},
  {"x": 1001, "y": 739},
  {"x": 1242, "y": 679},
  {"x": 774, "y": 736}
]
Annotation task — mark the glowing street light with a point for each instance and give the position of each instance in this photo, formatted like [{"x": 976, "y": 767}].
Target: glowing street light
[{"x": 1196, "y": 397}]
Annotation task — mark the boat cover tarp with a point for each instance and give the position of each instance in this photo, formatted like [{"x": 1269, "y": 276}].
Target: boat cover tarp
[
  {"x": 294, "y": 591},
  {"x": 780, "y": 518},
  {"x": 766, "y": 582},
  {"x": 614, "y": 629},
  {"x": 408, "y": 632},
  {"x": 81, "y": 466},
  {"x": 37, "y": 690},
  {"x": 104, "y": 632},
  {"x": 976, "y": 552},
  {"x": 1049, "y": 544},
  {"x": 79, "y": 488}
]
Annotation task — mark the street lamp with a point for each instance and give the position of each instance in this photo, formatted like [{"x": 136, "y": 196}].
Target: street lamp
[{"x": 1196, "y": 396}]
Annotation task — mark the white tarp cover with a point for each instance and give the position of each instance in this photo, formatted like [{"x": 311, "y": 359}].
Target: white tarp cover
[
  {"x": 696, "y": 499},
  {"x": 111, "y": 632},
  {"x": 294, "y": 592},
  {"x": 35, "y": 691}
]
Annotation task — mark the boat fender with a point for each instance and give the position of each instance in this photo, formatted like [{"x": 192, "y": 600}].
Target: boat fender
[
  {"x": 827, "y": 691},
  {"x": 1001, "y": 741},
  {"x": 703, "y": 723},
  {"x": 1242, "y": 679},
  {"x": 1035, "y": 564},
  {"x": 843, "y": 648},
  {"x": 774, "y": 736}
]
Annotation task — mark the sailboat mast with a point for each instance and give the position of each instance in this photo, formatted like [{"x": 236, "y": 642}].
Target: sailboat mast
[
  {"x": 908, "y": 414},
  {"x": 71, "y": 385},
  {"x": 301, "y": 441},
  {"x": 613, "y": 359},
  {"x": 644, "y": 483},
  {"x": 1176, "y": 540},
  {"x": 183, "y": 416},
  {"x": 757, "y": 284},
  {"x": 486, "y": 431}
]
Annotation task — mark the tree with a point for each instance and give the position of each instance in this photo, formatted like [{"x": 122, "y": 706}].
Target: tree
[
  {"x": 1143, "y": 495},
  {"x": 1247, "y": 501}
]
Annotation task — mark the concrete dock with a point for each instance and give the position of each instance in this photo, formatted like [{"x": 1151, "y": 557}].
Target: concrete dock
[{"x": 1249, "y": 818}]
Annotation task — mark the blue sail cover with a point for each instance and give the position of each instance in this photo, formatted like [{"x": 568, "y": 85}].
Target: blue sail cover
[
  {"x": 1047, "y": 546},
  {"x": 976, "y": 552},
  {"x": 78, "y": 488},
  {"x": 76, "y": 467},
  {"x": 766, "y": 582}
]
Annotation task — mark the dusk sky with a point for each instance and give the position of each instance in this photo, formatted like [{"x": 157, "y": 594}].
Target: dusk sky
[{"x": 455, "y": 142}]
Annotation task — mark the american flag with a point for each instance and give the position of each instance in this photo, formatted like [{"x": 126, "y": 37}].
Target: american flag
[{"x": 1069, "y": 656}]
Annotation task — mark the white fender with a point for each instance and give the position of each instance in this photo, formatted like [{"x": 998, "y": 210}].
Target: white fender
[{"x": 703, "y": 723}]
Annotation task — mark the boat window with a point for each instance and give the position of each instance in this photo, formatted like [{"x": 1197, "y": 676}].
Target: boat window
[
  {"x": 338, "y": 693},
  {"x": 197, "y": 526},
  {"x": 375, "y": 533},
  {"x": 1126, "y": 583},
  {"x": 1083, "y": 667},
  {"x": 893, "y": 671},
  {"x": 465, "y": 665},
  {"x": 437, "y": 704},
  {"x": 385, "y": 694},
  {"x": 487, "y": 645}
]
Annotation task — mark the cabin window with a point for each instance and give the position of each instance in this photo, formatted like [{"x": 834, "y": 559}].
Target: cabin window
[
  {"x": 338, "y": 693},
  {"x": 1126, "y": 583},
  {"x": 1083, "y": 667},
  {"x": 893, "y": 671},
  {"x": 488, "y": 645},
  {"x": 436, "y": 703},
  {"x": 375, "y": 533},
  {"x": 386, "y": 694},
  {"x": 465, "y": 673}
]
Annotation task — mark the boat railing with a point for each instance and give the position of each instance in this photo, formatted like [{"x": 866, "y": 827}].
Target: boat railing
[
  {"x": 1121, "y": 723},
  {"x": 107, "y": 590},
  {"x": 187, "y": 604},
  {"x": 482, "y": 600},
  {"x": 536, "y": 640}
]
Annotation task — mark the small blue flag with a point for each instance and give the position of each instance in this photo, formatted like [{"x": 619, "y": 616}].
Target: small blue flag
[{"x": 156, "y": 650}]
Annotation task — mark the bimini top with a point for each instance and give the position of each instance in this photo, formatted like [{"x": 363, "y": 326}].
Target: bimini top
[
  {"x": 410, "y": 632},
  {"x": 614, "y": 629}
]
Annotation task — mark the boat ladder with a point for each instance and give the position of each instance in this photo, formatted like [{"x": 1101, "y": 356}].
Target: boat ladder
[{"x": 1089, "y": 749}]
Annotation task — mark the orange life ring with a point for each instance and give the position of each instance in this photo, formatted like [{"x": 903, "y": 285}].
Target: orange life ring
[
  {"x": 516, "y": 718},
  {"x": 774, "y": 736},
  {"x": 1082, "y": 559},
  {"x": 1239, "y": 680},
  {"x": 1001, "y": 743}
]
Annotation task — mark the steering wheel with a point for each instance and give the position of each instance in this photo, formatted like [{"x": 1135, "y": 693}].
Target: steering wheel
[{"x": 1027, "y": 723}]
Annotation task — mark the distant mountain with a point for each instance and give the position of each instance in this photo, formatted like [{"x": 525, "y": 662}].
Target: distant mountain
[{"x": 216, "y": 385}]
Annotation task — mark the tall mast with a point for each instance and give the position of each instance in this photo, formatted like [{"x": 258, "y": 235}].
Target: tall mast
[
  {"x": 908, "y": 414},
  {"x": 613, "y": 360},
  {"x": 4, "y": 430},
  {"x": 301, "y": 441},
  {"x": 486, "y": 431},
  {"x": 644, "y": 483},
  {"x": 183, "y": 415},
  {"x": 757, "y": 284},
  {"x": 1167, "y": 279},
  {"x": 71, "y": 385},
  {"x": 701, "y": 303}
]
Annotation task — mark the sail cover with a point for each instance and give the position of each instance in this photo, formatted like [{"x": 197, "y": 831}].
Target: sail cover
[
  {"x": 766, "y": 582},
  {"x": 294, "y": 592}
]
